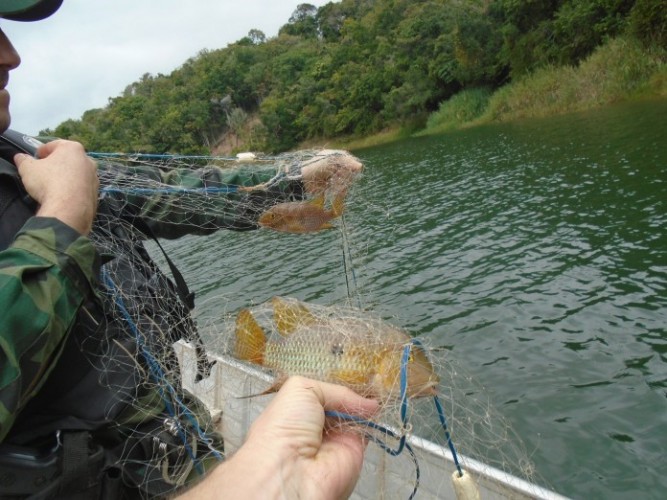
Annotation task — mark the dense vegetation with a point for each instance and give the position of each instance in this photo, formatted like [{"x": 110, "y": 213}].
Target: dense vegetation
[{"x": 357, "y": 67}]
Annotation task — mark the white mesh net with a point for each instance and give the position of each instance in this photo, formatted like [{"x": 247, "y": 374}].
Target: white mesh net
[
  {"x": 352, "y": 347},
  {"x": 296, "y": 193},
  {"x": 128, "y": 335}
]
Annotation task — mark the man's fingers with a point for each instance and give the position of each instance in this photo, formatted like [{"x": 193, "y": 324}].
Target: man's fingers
[
  {"x": 21, "y": 158},
  {"x": 338, "y": 398},
  {"x": 46, "y": 149}
]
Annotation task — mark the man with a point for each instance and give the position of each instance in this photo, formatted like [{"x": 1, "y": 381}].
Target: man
[{"x": 90, "y": 399}]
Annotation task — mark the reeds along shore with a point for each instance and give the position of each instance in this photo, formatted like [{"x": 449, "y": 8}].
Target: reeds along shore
[{"x": 620, "y": 70}]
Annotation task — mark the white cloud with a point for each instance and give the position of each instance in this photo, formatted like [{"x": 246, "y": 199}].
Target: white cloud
[{"x": 90, "y": 50}]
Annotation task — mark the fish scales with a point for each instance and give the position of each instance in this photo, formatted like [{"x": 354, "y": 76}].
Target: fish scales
[{"x": 323, "y": 353}]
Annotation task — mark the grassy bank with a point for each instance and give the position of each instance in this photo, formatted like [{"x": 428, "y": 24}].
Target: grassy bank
[
  {"x": 352, "y": 143},
  {"x": 618, "y": 71}
]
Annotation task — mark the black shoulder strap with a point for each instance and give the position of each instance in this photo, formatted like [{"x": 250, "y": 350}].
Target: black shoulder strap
[
  {"x": 16, "y": 207},
  {"x": 12, "y": 142},
  {"x": 9, "y": 185},
  {"x": 8, "y": 171},
  {"x": 186, "y": 296},
  {"x": 184, "y": 292}
]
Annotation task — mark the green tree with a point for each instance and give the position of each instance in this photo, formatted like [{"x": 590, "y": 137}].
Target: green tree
[
  {"x": 355, "y": 67},
  {"x": 302, "y": 23},
  {"x": 257, "y": 37},
  {"x": 648, "y": 23}
]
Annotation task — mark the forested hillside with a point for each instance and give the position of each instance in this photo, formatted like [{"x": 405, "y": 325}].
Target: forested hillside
[{"x": 355, "y": 67}]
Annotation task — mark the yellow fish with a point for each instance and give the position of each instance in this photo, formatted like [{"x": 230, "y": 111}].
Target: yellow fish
[
  {"x": 362, "y": 354},
  {"x": 302, "y": 216}
]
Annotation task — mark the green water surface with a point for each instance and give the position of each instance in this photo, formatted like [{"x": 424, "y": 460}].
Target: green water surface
[{"x": 536, "y": 252}]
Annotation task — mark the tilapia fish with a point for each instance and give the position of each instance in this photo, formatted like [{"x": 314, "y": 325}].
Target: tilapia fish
[
  {"x": 293, "y": 338},
  {"x": 302, "y": 216}
]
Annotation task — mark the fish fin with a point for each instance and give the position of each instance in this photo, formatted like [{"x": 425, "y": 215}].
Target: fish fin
[
  {"x": 275, "y": 387},
  {"x": 326, "y": 225},
  {"x": 250, "y": 338},
  {"x": 288, "y": 315},
  {"x": 338, "y": 205},
  {"x": 266, "y": 219},
  {"x": 350, "y": 377},
  {"x": 318, "y": 201}
]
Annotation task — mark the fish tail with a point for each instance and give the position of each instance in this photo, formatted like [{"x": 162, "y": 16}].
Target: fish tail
[
  {"x": 250, "y": 338},
  {"x": 338, "y": 205}
]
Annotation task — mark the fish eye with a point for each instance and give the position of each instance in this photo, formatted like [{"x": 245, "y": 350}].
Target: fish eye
[{"x": 337, "y": 350}]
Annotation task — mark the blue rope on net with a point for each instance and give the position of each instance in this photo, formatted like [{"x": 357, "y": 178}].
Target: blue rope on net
[
  {"x": 170, "y": 190},
  {"x": 159, "y": 377},
  {"x": 155, "y": 156},
  {"x": 443, "y": 420},
  {"x": 167, "y": 156},
  {"x": 404, "y": 402}
]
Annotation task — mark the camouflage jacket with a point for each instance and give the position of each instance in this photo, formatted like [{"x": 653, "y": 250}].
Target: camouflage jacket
[
  {"x": 70, "y": 359},
  {"x": 44, "y": 277}
]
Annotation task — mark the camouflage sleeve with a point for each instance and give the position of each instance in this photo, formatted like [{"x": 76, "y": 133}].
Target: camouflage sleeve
[
  {"x": 44, "y": 277},
  {"x": 179, "y": 201}
]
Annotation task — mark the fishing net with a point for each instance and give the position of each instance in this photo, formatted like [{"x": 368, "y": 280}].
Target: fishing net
[
  {"x": 178, "y": 195},
  {"x": 164, "y": 434},
  {"x": 433, "y": 417},
  {"x": 145, "y": 197}
]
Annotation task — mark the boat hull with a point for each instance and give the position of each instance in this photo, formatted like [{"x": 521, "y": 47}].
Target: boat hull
[{"x": 383, "y": 476}]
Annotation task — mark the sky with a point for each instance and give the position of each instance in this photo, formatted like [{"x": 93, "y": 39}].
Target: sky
[{"x": 90, "y": 50}]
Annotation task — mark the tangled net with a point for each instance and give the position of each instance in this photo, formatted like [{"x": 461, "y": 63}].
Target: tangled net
[
  {"x": 423, "y": 394},
  {"x": 167, "y": 197},
  {"x": 129, "y": 333},
  {"x": 199, "y": 195}
]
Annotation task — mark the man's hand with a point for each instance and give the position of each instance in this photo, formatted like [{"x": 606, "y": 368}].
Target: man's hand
[
  {"x": 290, "y": 452},
  {"x": 63, "y": 181}
]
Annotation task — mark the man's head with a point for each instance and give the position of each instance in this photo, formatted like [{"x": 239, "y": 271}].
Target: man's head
[{"x": 17, "y": 10}]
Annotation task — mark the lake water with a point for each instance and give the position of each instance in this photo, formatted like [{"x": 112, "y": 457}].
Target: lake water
[{"x": 536, "y": 252}]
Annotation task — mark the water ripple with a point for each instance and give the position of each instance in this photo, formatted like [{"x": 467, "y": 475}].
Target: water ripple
[{"x": 537, "y": 252}]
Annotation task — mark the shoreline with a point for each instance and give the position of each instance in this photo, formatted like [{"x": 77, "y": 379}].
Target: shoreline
[
  {"x": 620, "y": 71},
  {"x": 396, "y": 134}
]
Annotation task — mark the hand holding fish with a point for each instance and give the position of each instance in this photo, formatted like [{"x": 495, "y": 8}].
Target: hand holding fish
[{"x": 290, "y": 452}]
